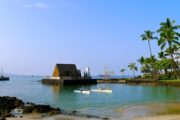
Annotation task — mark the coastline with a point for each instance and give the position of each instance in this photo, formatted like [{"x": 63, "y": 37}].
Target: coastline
[
  {"x": 158, "y": 111},
  {"x": 54, "y": 117},
  {"x": 65, "y": 117}
]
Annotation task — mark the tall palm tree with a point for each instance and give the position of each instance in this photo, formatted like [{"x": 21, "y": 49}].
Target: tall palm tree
[
  {"x": 148, "y": 35},
  {"x": 168, "y": 35},
  {"x": 133, "y": 68},
  {"x": 122, "y": 71}
]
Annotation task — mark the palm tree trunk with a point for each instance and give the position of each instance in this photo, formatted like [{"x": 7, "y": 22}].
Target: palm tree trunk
[
  {"x": 133, "y": 74},
  {"x": 150, "y": 48},
  {"x": 174, "y": 64},
  {"x": 154, "y": 70}
]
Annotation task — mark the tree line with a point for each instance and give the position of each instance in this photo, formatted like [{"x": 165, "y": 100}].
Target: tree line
[{"x": 166, "y": 65}]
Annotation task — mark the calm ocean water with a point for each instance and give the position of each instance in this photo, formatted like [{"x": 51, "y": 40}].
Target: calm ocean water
[{"x": 102, "y": 104}]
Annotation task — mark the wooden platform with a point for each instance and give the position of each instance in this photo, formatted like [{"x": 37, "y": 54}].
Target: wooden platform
[{"x": 69, "y": 82}]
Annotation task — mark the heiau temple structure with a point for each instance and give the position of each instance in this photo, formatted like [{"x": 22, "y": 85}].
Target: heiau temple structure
[
  {"x": 67, "y": 74},
  {"x": 66, "y": 71}
]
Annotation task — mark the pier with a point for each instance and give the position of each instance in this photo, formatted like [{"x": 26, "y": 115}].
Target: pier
[{"x": 69, "y": 82}]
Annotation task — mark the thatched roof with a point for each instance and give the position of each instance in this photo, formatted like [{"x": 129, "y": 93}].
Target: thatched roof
[
  {"x": 64, "y": 70},
  {"x": 62, "y": 67}
]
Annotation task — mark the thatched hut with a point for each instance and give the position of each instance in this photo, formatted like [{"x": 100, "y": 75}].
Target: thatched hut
[{"x": 66, "y": 71}]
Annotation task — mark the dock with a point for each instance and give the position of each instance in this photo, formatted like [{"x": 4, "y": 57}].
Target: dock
[{"x": 69, "y": 82}]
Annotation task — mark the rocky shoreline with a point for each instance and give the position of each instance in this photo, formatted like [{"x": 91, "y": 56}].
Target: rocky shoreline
[{"x": 9, "y": 106}]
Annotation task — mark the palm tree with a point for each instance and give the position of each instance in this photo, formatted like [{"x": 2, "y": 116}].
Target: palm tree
[
  {"x": 162, "y": 55},
  {"x": 146, "y": 68},
  {"x": 133, "y": 68},
  {"x": 141, "y": 60},
  {"x": 148, "y": 35},
  {"x": 168, "y": 35},
  {"x": 146, "y": 64},
  {"x": 122, "y": 71}
]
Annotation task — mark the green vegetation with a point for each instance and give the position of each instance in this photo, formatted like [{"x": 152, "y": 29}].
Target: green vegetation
[
  {"x": 148, "y": 35},
  {"x": 169, "y": 80},
  {"x": 166, "y": 64},
  {"x": 133, "y": 68}
]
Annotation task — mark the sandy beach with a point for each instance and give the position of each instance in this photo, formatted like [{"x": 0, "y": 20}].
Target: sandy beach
[
  {"x": 162, "y": 117},
  {"x": 57, "y": 117},
  {"x": 65, "y": 117}
]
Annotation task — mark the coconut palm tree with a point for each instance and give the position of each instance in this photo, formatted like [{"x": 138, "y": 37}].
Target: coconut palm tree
[
  {"x": 146, "y": 65},
  {"x": 148, "y": 35},
  {"x": 141, "y": 60},
  {"x": 168, "y": 35},
  {"x": 162, "y": 55},
  {"x": 133, "y": 68},
  {"x": 146, "y": 69},
  {"x": 122, "y": 71}
]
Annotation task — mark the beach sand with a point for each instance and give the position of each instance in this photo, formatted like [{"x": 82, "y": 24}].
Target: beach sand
[
  {"x": 65, "y": 117},
  {"x": 158, "y": 111},
  {"x": 162, "y": 117},
  {"x": 57, "y": 117}
]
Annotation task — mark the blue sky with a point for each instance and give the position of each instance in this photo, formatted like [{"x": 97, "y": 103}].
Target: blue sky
[{"x": 37, "y": 34}]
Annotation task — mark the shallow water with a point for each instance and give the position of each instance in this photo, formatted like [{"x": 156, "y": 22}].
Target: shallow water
[{"x": 101, "y": 104}]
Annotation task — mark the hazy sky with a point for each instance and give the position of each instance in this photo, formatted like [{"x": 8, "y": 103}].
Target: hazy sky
[{"x": 37, "y": 34}]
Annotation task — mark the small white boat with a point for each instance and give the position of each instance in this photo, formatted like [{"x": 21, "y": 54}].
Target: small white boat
[
  {"x": 102, "y": 90},
  {"x": 82, "y": 91}
]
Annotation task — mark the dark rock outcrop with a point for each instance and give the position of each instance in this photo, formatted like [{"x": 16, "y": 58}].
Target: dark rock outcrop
[
  {"x": 41, "y": 109},
  {"x": 7, "y": 104}
]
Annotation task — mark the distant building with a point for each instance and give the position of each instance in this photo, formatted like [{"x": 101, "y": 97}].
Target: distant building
[{"x": 66, "y": 71}]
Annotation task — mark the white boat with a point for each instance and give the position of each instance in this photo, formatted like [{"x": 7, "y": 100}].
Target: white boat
[
  {"x": 102, "y": 90},
  {"x": 82, "y": 91}
]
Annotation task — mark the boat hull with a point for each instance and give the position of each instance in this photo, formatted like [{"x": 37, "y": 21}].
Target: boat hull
[
  {"x": 102, "y": 91},
  {"x": 4, "y": 78}
]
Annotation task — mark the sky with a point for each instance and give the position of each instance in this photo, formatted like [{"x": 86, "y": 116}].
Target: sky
[{"x": 37, "y": 34}]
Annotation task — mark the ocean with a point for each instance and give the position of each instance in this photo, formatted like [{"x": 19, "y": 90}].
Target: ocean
[{"x": 30, "y": 89}]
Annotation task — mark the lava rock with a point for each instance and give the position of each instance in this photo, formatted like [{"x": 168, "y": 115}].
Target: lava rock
[{"x": 7, "y": 104}]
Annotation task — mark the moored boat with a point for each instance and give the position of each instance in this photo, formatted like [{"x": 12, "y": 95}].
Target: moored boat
[{"x": 2, "y": 78}]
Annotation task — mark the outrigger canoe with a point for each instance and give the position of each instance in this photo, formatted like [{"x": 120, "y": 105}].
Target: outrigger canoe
[
  {"x": 102, "y": 90},
  {"x": 82, "y": 91}
]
